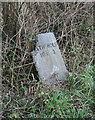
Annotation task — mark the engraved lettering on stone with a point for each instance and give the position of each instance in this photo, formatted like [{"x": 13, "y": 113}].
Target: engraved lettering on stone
[{"x": 49, "y": 62}]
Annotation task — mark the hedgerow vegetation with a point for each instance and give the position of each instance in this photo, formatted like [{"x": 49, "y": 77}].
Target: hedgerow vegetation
[{"x": 22, "y": 91}]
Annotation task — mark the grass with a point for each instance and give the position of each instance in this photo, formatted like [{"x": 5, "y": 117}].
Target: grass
[
  {"x": 74, "y": 101},
  {"x": 23, "y": 95}
]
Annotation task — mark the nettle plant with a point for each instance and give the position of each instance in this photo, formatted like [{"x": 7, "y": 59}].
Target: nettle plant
[{"x": 32, "y": 39}]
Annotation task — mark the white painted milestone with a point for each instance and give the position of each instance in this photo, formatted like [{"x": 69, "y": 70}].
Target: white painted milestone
[{"x": 48, "y": 60}]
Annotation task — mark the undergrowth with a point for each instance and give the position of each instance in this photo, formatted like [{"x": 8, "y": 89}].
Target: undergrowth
[
  {"x": 74, "y": 100},
  {"x": 22, "y": 93}
]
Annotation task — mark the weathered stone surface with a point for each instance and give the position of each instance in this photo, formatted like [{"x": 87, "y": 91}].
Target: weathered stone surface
[{"x": 49, "y": 62}]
